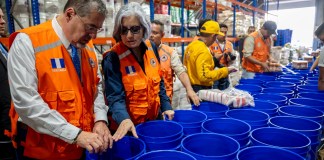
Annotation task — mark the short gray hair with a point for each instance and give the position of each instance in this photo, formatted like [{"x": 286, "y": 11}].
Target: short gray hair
[
  {"x": 84, "y": 7},
  {"x": 131, "y": 9}
]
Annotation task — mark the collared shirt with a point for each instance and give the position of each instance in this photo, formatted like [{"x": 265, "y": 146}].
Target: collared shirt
[
  {"x": 114, "y": 87},
  {"x": 30, "y": 106},
  {"x": 176, "y": 63},
  {"x": 248, "y": 45}
]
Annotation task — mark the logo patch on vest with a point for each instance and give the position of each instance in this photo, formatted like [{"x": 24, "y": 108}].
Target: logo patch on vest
[
  {"x": 58, "y": 65},
  {"x": 164, "y": 58},
  {"x": 130, "y": 70},
  {"x": 152, "y": 61},
  {"x": 92, "y": 63}
]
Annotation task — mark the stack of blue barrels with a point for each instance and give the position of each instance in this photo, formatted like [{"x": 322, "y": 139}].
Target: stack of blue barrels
[{"x": 285, "y": 124}]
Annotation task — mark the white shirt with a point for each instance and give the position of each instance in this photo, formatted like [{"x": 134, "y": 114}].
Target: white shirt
[{"x": 29, "y": 105}]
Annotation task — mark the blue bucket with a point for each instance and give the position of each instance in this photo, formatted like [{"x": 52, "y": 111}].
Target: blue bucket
[
  {"x": 294, "y": 81},
  {"x": 311, "y": 129},
  {"x": 311, "y": 82},
  {"x": 270, "y": 108},
  {"x": 166, "y": 145},
  {"x": 249, "y": 88},
  {"x": 280, "y": 84},
  {"x": 307, "y": 88},
  {"x": 252, "y": 81},
  {"x": 267, "y": 153},
  {"x": 292, "y": 76},
  {"x": 312, "y": 95},
  {"x": 165, "y": 155},
  {"x": 282, "y": 138},
  {"x": 284, "y": 92},
  {"x": 190, "y": 120},
  {"x": 302, "y": 112},
  {"x": 277, "y": 99},
  {"x": 313, "y": 103},
  {"x": 211, "y": 109},
  {"x": 313, "y": 78},
  {"x": 237, "y": 129},
  {"x": 264, "y": 78},
  {"x": 254, "y": 118},
  {"x": 210, "y": 146},
  {"x": 128, "y": 148}
]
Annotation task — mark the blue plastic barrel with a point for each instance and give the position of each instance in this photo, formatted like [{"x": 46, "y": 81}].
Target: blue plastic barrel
[
  {"x": 307, "y": 88},
  {"x": 311, "y": 129},
  {"x": 253, "y": 89},
  {"x": 267, "y": 153},
  {"x": 282, "y": 138},
  {"x": 254, "y": 118},
  {"x": 160, "y": 134},
  {"x": 210, "y": 146},
  {"x": 277, "y": 99},
  {"x": 190, "y": 120},
  {"x": 166, "y": 155},
  {"x": 313, "y": 103},
  {"x": 312, "y": 95},
  {"x": 237, "y": 129},
  {"x": 282, "y": 91},
  {"x": 280, "y": 84},
  {"x": 128, "y": 148},
  {"x": 211, "y": 109},
  {"x": 270, "y": 108},
  {"x": 302, "y": 112},
  {"x": 252, "y": 81}
]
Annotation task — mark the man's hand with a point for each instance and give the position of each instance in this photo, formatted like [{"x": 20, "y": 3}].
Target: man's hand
[
  {"x": 265, "y": 66},
  {"x": 193, "y": 97},
  {"x": 231, "y": 69},
  {"x": 125, "y": 126},
  {"x": 169, "y": 113},
  {"x": 90, "y": 141},
  {"x": 100, "y": 127}
]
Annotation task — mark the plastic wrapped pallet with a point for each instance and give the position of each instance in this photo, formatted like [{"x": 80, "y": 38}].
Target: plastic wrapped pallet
[
  {"x": 179, "y": 99},
  {"x": 299, "y": 64},
  {"x": 230, "y": 97},
  {"x": 166, "y": 20}
]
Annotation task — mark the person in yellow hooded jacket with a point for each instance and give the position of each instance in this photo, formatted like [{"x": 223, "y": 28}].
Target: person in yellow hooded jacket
[{"x": 199, "y": 61}]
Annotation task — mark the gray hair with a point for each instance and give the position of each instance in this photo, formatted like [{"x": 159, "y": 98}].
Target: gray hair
[
  {"x": 84, "y": 7},
  {"x": 131, "y": 9}
]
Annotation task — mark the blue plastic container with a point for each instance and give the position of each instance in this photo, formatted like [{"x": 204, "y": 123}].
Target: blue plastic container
[
  {"x": 313, "y": 103},
  {"x": 166, "y": 155},
  {"x": 264, "y": 78},
  {"x": 159, "y": 131},
  {"x": 166, "y": 145},
  {"x": 307, "y": 88},
  {"x": 311, "y": 82},
  {"x": 254, "y": 118},
  {"x": 237, "y": 129},
  {"x": 212, "y": 110},
  {"x": 311, "y": 129},
  {"x": 210, "y": 146},
  {"x": 267, "y": 153},
  {"x": 280, "y": 84},
  {"x": 191, "y": 120},
  {"x": 282, "y": 138},
  {"x": 312, "y": 95},
  {"x": 270, "y": 108},
  {"x": 284, "y": 92},
  {"x": 292, "y": 76},
  {"x": 128, "y": 148},
  {"x": 253, "y": 89},
  {"x": 302, "y": 112},
  {"x": 277, "y": 99},
  {"x": 312, "y": 78},
  {"x": 252, "y": 81}
]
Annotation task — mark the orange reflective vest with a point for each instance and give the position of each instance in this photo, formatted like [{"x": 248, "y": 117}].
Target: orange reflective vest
[
  {"x": 60, "y": 87},
  {"x": 141, "y": 88},
  {"x": 261, "y": 53},
  {"x": 165, "y": 53},
  {"x": 217, "y": 50}
]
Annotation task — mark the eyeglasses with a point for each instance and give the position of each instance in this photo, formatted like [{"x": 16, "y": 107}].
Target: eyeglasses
[
  {"x": 90, "y": 28},
  {"x": 132, "y": 29}
]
